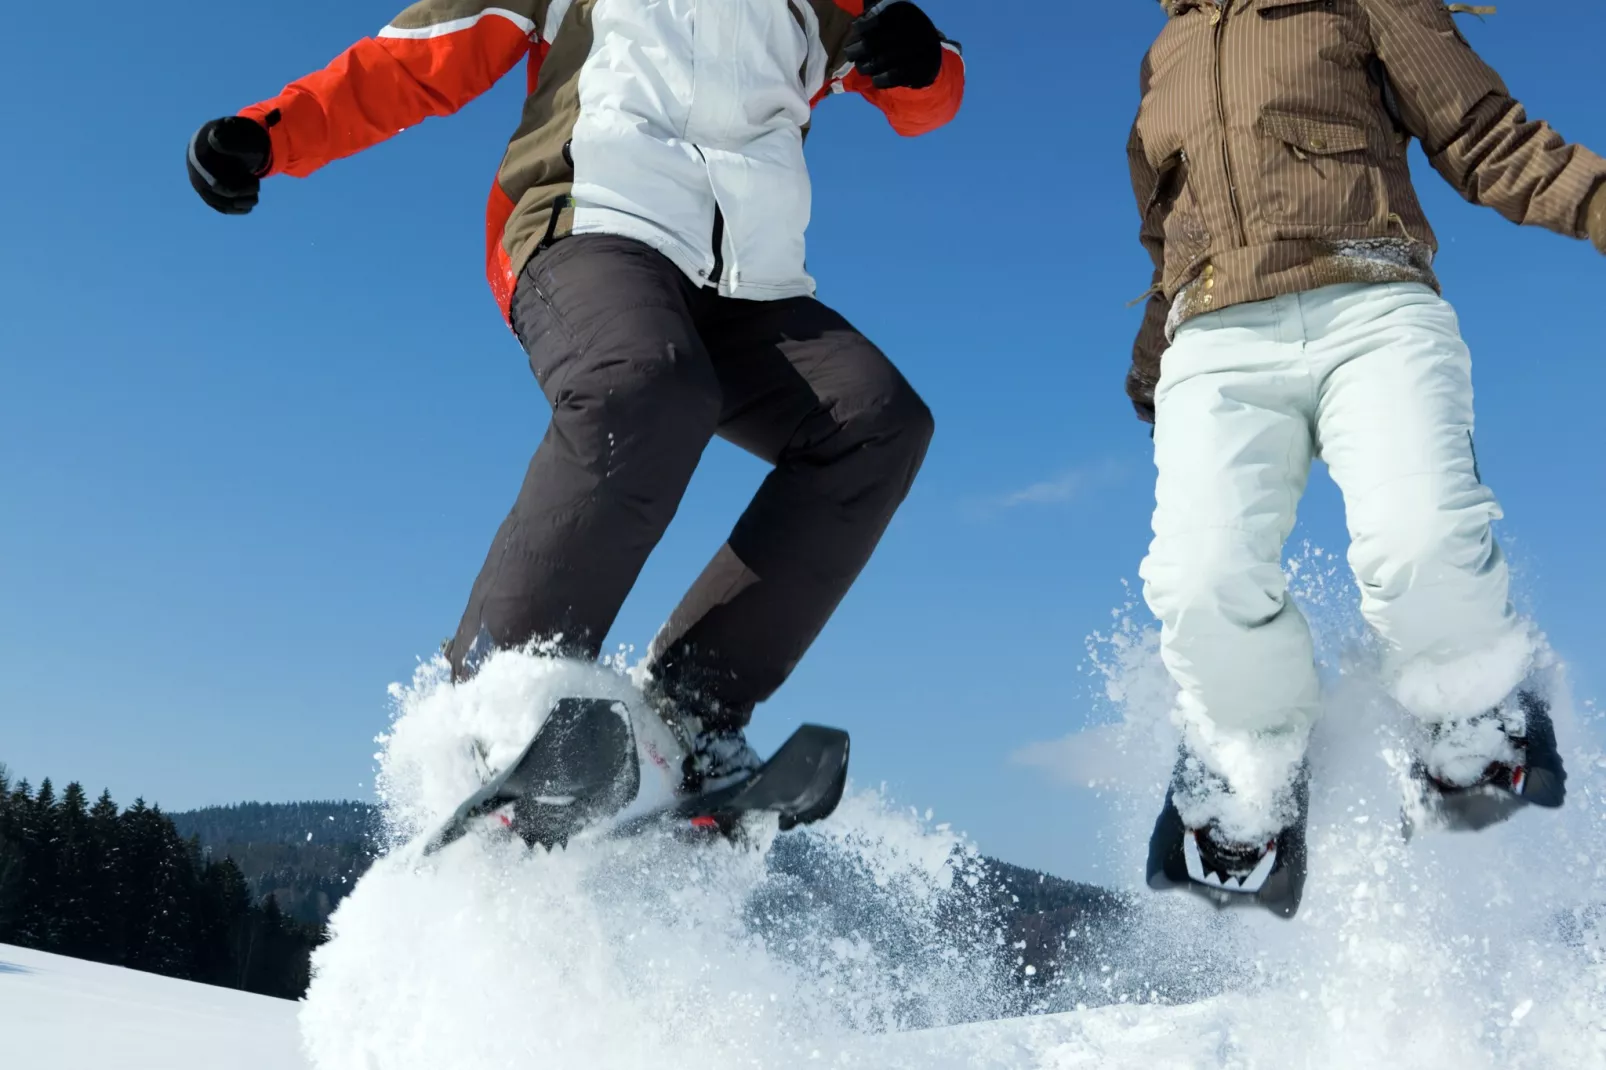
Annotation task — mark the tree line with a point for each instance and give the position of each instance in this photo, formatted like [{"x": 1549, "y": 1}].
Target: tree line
[
  {"x": 307, "y": 855},
  {"x": 123, "y": 887}
]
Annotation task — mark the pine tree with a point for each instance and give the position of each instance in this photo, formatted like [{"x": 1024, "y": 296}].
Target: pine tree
[
  {"x": 158, "y": 893},
  {"x": 104, "y": 897},
  {"x": 282, "y": 966},
  {"x": 10, "y": 859},
  {"x": 43, "y": 895},
  {"x": 224, "y": 925},
  {"x": 137, "y": 905},
  {"x": 77, "y": 875},
  {"x": 33, "y": 820}
]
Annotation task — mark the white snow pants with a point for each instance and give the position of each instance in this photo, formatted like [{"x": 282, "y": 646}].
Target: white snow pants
[{"x": 1376, "y": 381}]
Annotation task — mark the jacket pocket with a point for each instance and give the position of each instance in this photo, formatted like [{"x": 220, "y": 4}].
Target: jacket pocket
[
  {"x": 1187, "y": 239},
  {"x": 1282, "y": 9},
  {"x": 1319, "y": 174},
  {"x": 540, "y": 328}
]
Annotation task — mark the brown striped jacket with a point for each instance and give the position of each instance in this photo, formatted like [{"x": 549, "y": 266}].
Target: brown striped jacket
[{"x": 1269, "y": 153}]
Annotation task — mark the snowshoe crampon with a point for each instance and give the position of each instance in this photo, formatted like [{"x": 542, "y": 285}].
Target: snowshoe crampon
[
  {"x": 1536, "y": 777},
  {"x": 1269, "y": 875},
  {"x": 592, "y": 769}
]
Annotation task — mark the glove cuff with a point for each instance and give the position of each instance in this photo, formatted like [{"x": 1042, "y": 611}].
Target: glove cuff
[
  {"x": 269, "y": 116},
  {"x": 1595, "y": 217}
]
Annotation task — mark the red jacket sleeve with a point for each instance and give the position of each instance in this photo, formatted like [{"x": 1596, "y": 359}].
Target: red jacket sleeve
[
  {"x": 911, "y": 112},
  {"x": 382, "y": 85}
]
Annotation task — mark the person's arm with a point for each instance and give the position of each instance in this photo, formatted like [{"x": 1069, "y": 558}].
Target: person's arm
[
  {"x": 1475, "y": 135},
  {"x": 1151, "y": 343},
  {"x": 434, "y": 58},
  {"x": 898, "y": 60}
]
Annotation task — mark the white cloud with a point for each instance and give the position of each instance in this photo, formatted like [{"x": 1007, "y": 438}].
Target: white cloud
[
  {"x": 1066, "y": 487},
  {"x": 1102, "y": 756}
]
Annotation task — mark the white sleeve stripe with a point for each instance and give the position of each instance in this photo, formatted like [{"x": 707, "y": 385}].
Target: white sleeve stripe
[
  {"x": 442, "y": 29},
  {"x": 554, "y": 19}
]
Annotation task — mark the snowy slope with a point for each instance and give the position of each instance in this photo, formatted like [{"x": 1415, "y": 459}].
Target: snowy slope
[{"x": 69, "y": 1015}]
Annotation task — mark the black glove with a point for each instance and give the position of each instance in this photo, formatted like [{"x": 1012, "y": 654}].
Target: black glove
[
  {"x": 227, "y": 158},
  {"x": 896, "y": 46}
]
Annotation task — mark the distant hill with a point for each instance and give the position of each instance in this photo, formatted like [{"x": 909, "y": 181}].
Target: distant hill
[
  {"x": 293, "y": 824},
  {"x": 308, "y": 856}
]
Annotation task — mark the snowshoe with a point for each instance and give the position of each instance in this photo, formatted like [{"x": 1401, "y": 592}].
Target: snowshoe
[
  {"x": 1522, "y": 768},
  {"x": 1269, "y": 874},
  {"x": 594, "y": 769}
]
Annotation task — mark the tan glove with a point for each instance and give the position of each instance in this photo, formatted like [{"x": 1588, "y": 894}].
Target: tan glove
[{"x": 1595, "y": 221}]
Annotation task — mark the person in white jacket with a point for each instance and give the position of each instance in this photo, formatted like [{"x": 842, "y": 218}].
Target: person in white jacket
[{"x": 645, "y": 239}]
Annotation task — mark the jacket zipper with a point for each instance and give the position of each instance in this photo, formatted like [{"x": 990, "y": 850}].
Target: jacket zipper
[
  {"x": 1218, "y": 19},
  {"x": 718, "y": 273}
]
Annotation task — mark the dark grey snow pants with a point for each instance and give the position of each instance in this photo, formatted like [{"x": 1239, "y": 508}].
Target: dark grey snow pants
[{"x": 643, "y": 368}]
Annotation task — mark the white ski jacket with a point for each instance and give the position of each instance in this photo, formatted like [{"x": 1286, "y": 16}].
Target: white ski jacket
[{"x": 679, "y": 123}]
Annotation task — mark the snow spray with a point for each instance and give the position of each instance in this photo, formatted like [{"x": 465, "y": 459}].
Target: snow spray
[
  {"x": 637, "y": 952},
  {"x": 1448, "y": 952}
]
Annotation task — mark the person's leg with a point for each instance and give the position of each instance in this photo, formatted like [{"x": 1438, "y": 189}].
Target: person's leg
[
  {"x": 1232, "y": 444},
  {"x": 846, "y": 432},
  {"x": 610, "y": 328},
  {"x": 1395, "y": 427}
]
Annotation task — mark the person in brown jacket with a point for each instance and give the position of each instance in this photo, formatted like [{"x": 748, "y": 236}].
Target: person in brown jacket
[{"x": 1295, "y": 314}]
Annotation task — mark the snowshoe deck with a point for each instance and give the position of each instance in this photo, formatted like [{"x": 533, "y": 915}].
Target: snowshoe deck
[
  {"x": 579, "y": 768},
  {"x": 583, "y": 769}
]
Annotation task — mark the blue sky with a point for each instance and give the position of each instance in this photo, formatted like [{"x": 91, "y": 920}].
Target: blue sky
[{"x": 249, "y": 468}]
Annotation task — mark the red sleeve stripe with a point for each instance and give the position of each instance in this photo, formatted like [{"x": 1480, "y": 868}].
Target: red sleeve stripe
[{"x": 441, "y": 29}]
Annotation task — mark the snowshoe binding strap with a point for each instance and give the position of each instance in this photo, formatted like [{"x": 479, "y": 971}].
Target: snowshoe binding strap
[
  {"x": 1269, "y": 875},
  {"x": 802, "y": 784}
]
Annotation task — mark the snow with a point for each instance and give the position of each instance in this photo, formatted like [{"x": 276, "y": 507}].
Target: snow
[
  {"x": 1445, "y": 953},
  {"x": 70, "y": 1015},
  {"x": 73, "y": 1015},
  {"x": 1466, "y": 686}
]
